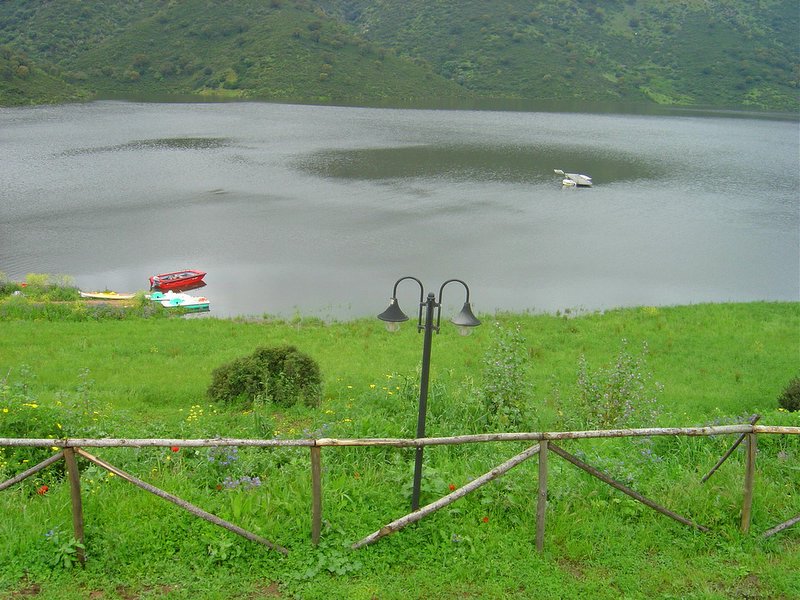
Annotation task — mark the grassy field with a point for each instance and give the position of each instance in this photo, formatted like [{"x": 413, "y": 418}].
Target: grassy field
[{"x": 73, "y": 374}]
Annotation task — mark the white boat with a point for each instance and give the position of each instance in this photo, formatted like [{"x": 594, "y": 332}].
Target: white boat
[
  {"x": 172, "y": 299},
  {"x": 574, "y": 179}
]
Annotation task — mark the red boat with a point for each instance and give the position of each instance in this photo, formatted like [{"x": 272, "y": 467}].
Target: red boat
[{"x": 177, "y": 279}]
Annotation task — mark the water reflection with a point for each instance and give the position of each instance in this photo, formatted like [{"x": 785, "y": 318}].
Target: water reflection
[
  {"x": 510, "y": 164},
  {"x": 181, "y": 143}
]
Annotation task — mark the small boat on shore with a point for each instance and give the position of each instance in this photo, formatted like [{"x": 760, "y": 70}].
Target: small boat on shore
[
  {"x": 187, "y": 302},
  {"x": 177, "y": 279},
  {"x": 574, "y": 179},
  {"x": 106, "y": 296}
]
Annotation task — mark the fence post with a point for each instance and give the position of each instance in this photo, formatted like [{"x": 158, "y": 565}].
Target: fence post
[
  {"x": 749, "y": 477},
  {"x": 541, "y": 505},
  {"x": 316, "y": 494},
  {"x": 75, "y": 495}
]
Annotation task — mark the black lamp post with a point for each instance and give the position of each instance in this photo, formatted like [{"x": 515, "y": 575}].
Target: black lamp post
[{"x": 393, "y": 316}]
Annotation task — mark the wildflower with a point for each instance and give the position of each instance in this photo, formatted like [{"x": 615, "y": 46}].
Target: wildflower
[
  {"x": 485, "y": 519},
  {"x": 452, "y": 487},
  {"x": 5, "y": 410},
  {"x": 372, "y": 386},
  {"x": 42, "y": 490},
  {"x": 175, "y": 448}
]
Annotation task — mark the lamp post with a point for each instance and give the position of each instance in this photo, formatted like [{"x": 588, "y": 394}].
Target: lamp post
[{"x": 393, "y": 316}]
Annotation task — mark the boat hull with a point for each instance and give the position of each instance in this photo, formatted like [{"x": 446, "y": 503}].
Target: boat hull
[
  {"x": 177, "y": 279},
  {"x": 106, "y": 296}
]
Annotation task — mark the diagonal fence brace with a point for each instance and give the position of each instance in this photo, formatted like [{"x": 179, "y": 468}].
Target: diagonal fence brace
[
  {"x": 623, "y": 488},
  {"x": 448, "y": 499},
  {"x": 198, "y": 512}
]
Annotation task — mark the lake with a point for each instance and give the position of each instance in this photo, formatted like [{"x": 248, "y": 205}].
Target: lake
[{"x": 317, "y": 210}]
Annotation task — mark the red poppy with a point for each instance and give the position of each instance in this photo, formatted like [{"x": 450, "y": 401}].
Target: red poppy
[
  {"x": 42, "y": 490},
  {"x": 174, "y": 448},
  {"x": 485, "y": 519},
  {"x": 452, "y": 487}
]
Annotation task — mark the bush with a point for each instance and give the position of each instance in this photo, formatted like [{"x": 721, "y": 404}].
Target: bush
[
  {"x": 506, "y": 389},
  {"x": 282, "y": 374},
  {"x": 790, "y": 398}
]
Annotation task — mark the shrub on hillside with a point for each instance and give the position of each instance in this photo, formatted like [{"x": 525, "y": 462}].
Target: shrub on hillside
[
  {"x": 790, "y": 397},
  {"x": 282, "y": 374}
]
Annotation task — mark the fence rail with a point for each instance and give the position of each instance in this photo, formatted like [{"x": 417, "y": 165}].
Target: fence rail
[{"x": 69, "y": 448}]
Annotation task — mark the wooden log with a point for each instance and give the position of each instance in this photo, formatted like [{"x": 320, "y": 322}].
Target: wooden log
[
  {"x": 538, "y": 436},
  {"x": 152, "y": 442},
  {"x": 623, "y": 488},
  {"x": 316, "y": 494},
  {"x": 33, "y": 470},
  {"x": 400, "y": 442},
  {"x": 776, "y": 429},
  {"x": 198, "y": 512},
  {"x": 725, "y": 456},
  {"x": 75, "y": 496},
  {"x": 541, "y": 505},
  {"x": 785, "y": 525},
  {"x": 749, "y": 479},
  {"x": 446, "y": 500}
]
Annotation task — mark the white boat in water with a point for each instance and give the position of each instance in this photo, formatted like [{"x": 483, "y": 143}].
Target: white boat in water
[
  {"x": 172, "y": 299},
  {"x": 574, "y": 179}
]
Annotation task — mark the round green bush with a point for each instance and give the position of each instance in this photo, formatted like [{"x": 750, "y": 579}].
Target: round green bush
[
  {"x": 790, "y": 398},
  {"x": 282, "y": 374}
]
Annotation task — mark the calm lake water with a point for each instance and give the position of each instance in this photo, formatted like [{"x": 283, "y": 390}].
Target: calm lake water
[{"x": 318, "y": 210}]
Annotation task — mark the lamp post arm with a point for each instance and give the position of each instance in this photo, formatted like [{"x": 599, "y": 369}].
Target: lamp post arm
[
  {"x": 421, "y": 297},
  {"x": 441, "y": 292}
]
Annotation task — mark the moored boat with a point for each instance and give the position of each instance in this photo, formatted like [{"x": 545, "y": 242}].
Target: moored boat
[
  {"x": 177, "y": 279},
  {"x": 574, "y": 179},
  {"x": 188, "y": 302},
  {"x": 106, "y": 296}
]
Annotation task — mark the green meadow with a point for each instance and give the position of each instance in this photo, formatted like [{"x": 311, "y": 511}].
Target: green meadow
[{"x": 72, "y": 370}]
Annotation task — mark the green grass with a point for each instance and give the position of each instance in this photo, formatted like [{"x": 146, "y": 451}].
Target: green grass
[{"x": 148, "y": 377}]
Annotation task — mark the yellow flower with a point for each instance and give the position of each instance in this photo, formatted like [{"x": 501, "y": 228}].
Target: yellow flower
[
  {"x": 31, "y": 405},
  {"x": 5, "y": 410},
  {"x": 372, "y": 386}
]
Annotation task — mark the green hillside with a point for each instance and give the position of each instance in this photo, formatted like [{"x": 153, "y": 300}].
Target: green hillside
[
  {"x": 733, "y": 53},
  {"x": 23, "y": 82}
]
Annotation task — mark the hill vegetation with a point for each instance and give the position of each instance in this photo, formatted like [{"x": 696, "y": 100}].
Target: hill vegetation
[{"x": 685, "y": 52}]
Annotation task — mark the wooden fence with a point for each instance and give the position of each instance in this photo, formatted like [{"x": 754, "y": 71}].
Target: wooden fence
[{"x": 546, "y": 445}]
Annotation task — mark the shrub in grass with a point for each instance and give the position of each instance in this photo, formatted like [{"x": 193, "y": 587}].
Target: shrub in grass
[
  {"x": 24, "y": 417},
  {"x": 282, "y": 374},
  {"x": 506, "y": 388},
  {"x": 622, "y": 394},
  {"x": 790, "y": 397}
]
